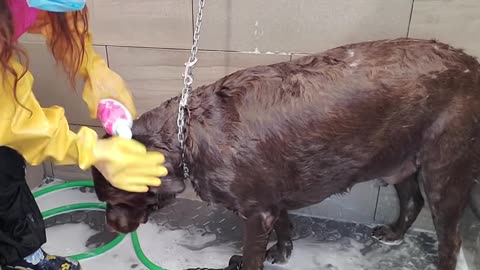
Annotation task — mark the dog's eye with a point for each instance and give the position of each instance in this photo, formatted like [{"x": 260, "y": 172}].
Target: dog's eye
[
  {"x": 156, "y": 147},
  {"x": 161, "y": 148}
]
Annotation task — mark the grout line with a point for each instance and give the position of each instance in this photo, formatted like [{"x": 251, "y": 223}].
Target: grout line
[
  {"x": 193, "y": 20},
  {"x": 410, "y": 19},
  {"x": 44, "y": 168},
  {"x": 85, "y": 125},
  {"x": 52, "y": 171},
  {"x": 108, "y": 57},
  {"x": 376, "y": 205},
  {"x": 201, "y": 50}
]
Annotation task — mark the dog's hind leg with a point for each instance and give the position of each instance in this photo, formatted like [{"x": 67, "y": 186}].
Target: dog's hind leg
[
  {"x": 447, "y": 192},
  {"x": 411, "y": 203},
  {"x": 450, "y": 163},
  {"x": 281, "y": 251}
]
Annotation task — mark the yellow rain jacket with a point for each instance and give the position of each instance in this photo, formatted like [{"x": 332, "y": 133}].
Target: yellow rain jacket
[{"x": 43, "y": 133}]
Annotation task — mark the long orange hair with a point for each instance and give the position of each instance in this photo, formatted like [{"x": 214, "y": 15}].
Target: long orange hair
[{"x": 67, "y": 40}]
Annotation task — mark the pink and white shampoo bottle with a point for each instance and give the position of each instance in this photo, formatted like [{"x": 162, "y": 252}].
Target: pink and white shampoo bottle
[{"x": 115, "y": 118}]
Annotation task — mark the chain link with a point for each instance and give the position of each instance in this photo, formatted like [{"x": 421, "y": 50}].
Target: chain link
[{"x": 187, "y": 87}]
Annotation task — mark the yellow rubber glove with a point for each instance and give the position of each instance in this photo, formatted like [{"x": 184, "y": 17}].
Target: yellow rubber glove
[
  {"x": 101, "y": 82},
  {"x": 127, "y": 165},
  {"x": 43, "y": 133}
]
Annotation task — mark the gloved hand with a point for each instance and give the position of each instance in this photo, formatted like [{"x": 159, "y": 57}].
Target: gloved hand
[{"x": 127, "y": 165}]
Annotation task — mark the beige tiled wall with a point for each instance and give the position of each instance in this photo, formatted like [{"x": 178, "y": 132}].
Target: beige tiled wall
[
  {"x": 146, "y": 42},
  {"x": 453, "y": 21},
  {"x": 154, "y": 75},
  {"x": 300, "y": 25},
  {"x": 35, "y": 175},
  {"x": 142, "y": 23}
]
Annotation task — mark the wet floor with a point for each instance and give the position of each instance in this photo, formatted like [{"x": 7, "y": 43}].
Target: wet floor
[{"x": 191, "y": 234}]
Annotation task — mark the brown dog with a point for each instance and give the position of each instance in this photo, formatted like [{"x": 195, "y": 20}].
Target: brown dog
[{"x": 268, "y": 139}]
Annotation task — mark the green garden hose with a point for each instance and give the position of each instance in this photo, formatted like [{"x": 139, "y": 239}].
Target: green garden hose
[
  {"x": 141, "y": 256},
  {"x": 82, "y": 206}
]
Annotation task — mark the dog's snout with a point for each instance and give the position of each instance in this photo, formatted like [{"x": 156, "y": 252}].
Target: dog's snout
[{"x": 125, "y": 219}]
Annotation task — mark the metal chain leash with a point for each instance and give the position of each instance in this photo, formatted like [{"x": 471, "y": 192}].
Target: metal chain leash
[{"x": 187, "y": 87}]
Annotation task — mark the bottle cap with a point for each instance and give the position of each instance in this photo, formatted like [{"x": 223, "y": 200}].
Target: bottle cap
[{"x": 122, "y": 129}]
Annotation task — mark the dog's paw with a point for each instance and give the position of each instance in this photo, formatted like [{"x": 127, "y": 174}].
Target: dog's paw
[
  {"x": 235, "y": 263},
  {"x": 280, "y": 252},
  {"x": 379, "y": 183},
  {"x": 387, "y": 235}
]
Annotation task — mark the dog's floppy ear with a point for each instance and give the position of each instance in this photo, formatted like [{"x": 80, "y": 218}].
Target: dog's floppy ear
[{"x": 170, "y": 185}]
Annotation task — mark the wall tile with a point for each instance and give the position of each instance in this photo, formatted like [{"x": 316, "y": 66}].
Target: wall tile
[
  {"x": 31, "y": 38},
  {"x": 300, "y": 25},
  {"x": 456, "y": 22},
  {"x": 146, "y": 23},
  {"x": 35, "y": 175}
]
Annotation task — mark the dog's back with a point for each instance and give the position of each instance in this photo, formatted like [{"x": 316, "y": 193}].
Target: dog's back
[{"x": 313, "y": 127}]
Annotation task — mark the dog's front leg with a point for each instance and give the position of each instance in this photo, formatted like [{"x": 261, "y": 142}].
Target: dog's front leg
[
  {"x": 235, "y": 263},
  {"x": 257, "y": 232},
  {"x": 281, "y": 251},
  {"x": 258, "y": 228}
]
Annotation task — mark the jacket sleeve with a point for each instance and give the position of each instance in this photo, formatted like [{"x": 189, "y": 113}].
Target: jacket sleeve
[
  {"x": 40, "y": 133},
  {"x": 100, "y": 81}
]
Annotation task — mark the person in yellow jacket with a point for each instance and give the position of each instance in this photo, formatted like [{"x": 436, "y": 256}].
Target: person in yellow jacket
[{"x": 32, "y": 134}]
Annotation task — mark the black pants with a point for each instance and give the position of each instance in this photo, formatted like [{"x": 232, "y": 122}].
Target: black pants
[{"x": 22, "y": 230}]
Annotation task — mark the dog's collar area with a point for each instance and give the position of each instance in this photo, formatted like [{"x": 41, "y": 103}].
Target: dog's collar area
[
  {"x": 183, "y": 112},
  {"x": 183, "y": 148}
]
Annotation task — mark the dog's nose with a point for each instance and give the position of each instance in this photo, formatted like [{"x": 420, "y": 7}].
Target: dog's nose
[
  {"x": 109, "y": 228},
  {"x": 121, "y": 228}
]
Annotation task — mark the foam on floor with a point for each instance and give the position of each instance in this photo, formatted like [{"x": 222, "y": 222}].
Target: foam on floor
[
  {"x": 164, "y": 245},
  {"x": 122, "y": 257},
  {"x": 190, "y": 234},
  {"x": 181, "y": 249},
  {"x": 68, "y": 239}
]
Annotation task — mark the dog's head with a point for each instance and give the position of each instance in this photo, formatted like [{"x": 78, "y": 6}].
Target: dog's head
[
  {"x": 156, "y": 129},
  {"x": 127, "y": 210}
]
